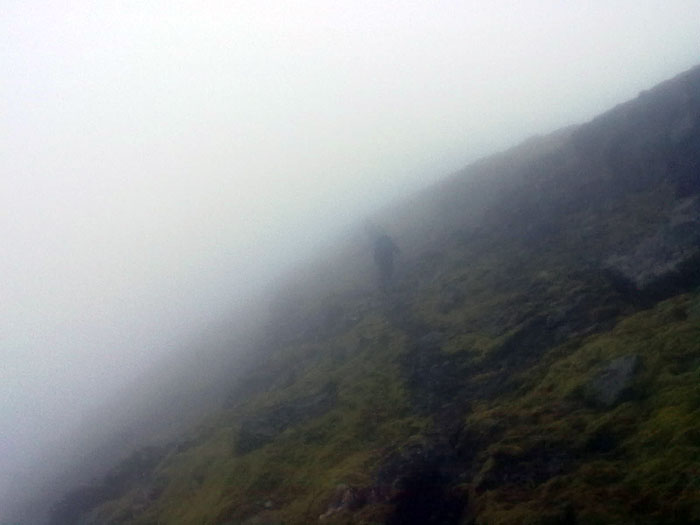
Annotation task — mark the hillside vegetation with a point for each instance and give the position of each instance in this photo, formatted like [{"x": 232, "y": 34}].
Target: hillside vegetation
[{"x": 535, "y": 361}]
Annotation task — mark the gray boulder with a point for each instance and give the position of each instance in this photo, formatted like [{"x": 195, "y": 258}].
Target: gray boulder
[{"x": 665, "y": 251}]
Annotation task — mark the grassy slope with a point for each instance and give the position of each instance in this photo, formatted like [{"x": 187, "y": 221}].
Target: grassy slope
[
  {"x": 210, "y": 482},
  {"x": 651, "y": 469},
  {"x": 526, "y": 318}
]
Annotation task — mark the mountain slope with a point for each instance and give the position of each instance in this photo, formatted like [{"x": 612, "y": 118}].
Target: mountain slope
[{"x": 537, "y": 359}]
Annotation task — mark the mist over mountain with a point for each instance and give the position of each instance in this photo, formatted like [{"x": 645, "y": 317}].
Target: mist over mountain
[
  {"x": 201, "y": 206},
  {"x": 534, "y": 359}
]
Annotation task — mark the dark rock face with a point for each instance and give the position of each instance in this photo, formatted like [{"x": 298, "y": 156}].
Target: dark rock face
[
  {"x": 419, "y": 481},
  {"x": 648, "y": 139},
  {"x": 350, "y": 499},
  {"x": 425, "y": 497},
  {"x": 262, "y": 428},
  {"x": 665, "y": 252},
  {"x": 610, "y": 385}
]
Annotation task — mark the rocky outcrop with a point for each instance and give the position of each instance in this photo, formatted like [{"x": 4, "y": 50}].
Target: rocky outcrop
[
  {"x": 349, "y": 499},
  {"x": 667, "y": 256},
  {"x": 418, "y": 480},
  {"x": 438, "y": 381}
]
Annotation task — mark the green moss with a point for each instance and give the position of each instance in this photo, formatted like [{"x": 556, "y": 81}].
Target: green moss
[
  {"x": 634, "y": 459},
  {"x": 210, "y": 483},
  {"x": 638, "y": 458}
]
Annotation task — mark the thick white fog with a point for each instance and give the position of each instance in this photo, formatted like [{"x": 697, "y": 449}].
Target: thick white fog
[{"x": 163, "y": 161}]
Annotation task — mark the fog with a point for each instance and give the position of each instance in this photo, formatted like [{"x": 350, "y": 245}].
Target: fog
[{"x": 164, "y": 162}]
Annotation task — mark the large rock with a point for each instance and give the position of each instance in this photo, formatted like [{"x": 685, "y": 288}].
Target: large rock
[
  {"x": 665, "y": 257},
  {"x": 608, "y": 387}
]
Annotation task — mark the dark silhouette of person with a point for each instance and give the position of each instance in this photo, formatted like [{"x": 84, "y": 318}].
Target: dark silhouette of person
[{"x": 384, "y": 250}]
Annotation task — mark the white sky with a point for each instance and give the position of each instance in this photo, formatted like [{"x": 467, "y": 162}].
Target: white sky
[{"x": 161, "y": 160}]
